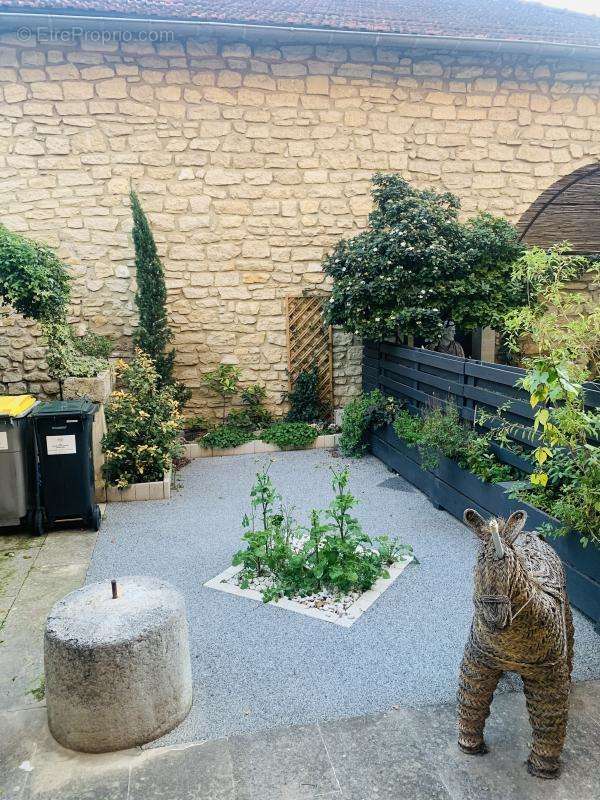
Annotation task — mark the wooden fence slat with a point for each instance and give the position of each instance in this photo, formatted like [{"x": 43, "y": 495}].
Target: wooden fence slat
[{"x": 469, "y": 384}]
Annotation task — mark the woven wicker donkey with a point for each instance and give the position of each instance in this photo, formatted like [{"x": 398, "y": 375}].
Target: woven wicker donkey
[{"x": 522, "y": 623}]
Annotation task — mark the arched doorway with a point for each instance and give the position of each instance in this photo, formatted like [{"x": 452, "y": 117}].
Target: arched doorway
[{"x": 569, "y": 210}]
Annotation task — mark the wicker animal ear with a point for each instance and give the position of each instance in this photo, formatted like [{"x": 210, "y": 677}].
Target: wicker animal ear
[
  {"x": 514, "y": 525},
  {"x": 475, "y": 521}
]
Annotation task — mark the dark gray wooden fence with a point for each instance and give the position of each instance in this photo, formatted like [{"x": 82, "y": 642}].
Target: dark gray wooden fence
[{"x": 423, "y": 378}]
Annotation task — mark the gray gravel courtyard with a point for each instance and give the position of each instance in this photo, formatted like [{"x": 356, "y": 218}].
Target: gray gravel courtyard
[{"x": 256, "y": 666}]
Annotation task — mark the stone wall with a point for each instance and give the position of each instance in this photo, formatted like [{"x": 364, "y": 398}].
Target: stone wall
[{"x": 252, "y": 161}]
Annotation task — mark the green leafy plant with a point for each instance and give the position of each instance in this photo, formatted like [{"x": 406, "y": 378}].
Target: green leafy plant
[
  {"x": 195, "y": 426},
  {"x": 333, "y": 553},
  {"x": 144, "y": 425},
  {"x": 290, "y": 435},
  {"x": 253, "y": 398},
  {"x": 363, "y": 414},
  {"x": 304, "y": 398},
  {"x": 477, "y": 457},
  {"x": 572, "y": 492},
  {"x": 408, "y": 426},
  {"x": 225, "y": 436},
  {"x": 64, "y": 356},
  {"x": 566, "y": 336},
  {"x": 441, "y": 432},
  {"x": 418, "y": 267},
  {"x": 38, "y": 692},
  {"x": 33, "y": 280},
  {"x": 94, "y": 345},
  {"x": 153, "y": 333},
  {"x": 223, "y": 381}
]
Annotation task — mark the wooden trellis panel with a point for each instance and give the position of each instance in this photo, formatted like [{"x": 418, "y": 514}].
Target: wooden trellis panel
[{"x": 310, "y": 342}]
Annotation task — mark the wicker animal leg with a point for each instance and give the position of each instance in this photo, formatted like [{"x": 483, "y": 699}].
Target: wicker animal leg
[
  {"x": 547, "y": 695},
  {"x": 476, "y": 687},
  {"x": 570, "y": 636}
]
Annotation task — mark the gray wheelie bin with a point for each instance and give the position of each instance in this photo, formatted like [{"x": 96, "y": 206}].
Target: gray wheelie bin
[{"x": 17, "y": 497}]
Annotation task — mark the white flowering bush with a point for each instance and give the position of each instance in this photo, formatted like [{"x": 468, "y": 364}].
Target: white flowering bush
[{"x": 418, "y": 266}]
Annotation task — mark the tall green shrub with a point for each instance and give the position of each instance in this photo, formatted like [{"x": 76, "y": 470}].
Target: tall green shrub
[
  {"x": 417, "y": 266},
  {"x": 153, "y": 333}
]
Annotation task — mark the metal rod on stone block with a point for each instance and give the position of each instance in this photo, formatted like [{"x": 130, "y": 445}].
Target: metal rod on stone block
[{"x": 113, "y": 585}]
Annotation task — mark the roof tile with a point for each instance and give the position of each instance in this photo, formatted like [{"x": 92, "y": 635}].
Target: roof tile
[{"x": 511, "y": 20}]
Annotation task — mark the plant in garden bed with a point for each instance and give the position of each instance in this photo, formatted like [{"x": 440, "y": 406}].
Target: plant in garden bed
[
  {"x": 572, "y": 493},
  {"x": 290, "y": 435},
  {"x": 333, "y": 554},
  {"x": 225, "y": 436},
  {"x": 144, "y": 425},
  {"x": 195, "y": 426},
  {"x": 363, "y": 414},
  {"x": 441, "y": 432},
  {"x": 253, "y": 415},
  {"x": 223, "y": 381},
  {"x": 304, "y": 398}
]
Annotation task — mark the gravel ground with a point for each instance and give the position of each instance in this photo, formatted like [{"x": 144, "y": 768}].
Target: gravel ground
[{"x": 259, "y": 666}]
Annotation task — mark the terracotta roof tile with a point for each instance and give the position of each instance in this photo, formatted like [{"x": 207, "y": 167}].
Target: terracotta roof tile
[{"x": 511, "y": 20}]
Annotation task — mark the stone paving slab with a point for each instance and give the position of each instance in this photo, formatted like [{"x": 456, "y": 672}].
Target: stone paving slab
[
  {"x": 405, "y": 753},
  {"x": 44, "y": 569}
]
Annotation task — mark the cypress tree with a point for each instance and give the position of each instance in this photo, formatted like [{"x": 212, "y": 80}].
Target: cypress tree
[{"x": 153, "y": 333}]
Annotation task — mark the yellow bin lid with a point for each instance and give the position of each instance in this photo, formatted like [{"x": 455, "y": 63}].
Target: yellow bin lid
[{"x": 16, "y": 405}]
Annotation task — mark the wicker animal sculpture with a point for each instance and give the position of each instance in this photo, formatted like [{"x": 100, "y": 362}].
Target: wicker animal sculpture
[{"x": 522, "y": 623}]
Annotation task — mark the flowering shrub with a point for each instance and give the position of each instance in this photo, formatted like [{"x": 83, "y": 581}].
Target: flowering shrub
[
  {"x": 418, "y": 267},
  {"x": 144, "y": 425}
]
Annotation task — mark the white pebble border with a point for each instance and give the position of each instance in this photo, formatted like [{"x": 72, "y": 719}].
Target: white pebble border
[{"x": 342, "y": 612}]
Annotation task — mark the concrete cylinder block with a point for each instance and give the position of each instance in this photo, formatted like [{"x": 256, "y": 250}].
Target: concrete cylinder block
[{"x": 118, "y": 671}]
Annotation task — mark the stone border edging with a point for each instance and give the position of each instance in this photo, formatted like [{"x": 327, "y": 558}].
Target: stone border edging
[
  {"x": 154, "y": 490},
  {"x": 221, "y": 583},
  {"x": 193, "y": 450}
]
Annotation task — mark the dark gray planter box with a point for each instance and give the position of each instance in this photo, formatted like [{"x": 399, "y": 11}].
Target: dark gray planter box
[{"x": 454, "y": 489}]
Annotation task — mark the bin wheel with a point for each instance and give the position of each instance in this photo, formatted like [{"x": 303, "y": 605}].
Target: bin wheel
[
  {"x": 38, "y": 523},
  {"x": 96, "y": 519}
]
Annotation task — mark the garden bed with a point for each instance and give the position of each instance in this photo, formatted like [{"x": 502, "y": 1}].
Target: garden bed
[
  {"x": 153, "y": 490},
  {"x": 343, "y": 610},
  {"x": 454, "y": 489},
  {"x": 256, "y": 446}
]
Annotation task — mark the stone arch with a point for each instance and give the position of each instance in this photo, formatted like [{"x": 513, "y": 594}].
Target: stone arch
[{"x": 568, "y": 210}]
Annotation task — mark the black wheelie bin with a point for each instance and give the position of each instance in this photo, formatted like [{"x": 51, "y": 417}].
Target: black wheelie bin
[{"x": 65, "y": 463}]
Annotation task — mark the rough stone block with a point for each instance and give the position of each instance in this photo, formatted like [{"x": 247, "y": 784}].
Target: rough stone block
[{"x": 118, "y": 671}]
